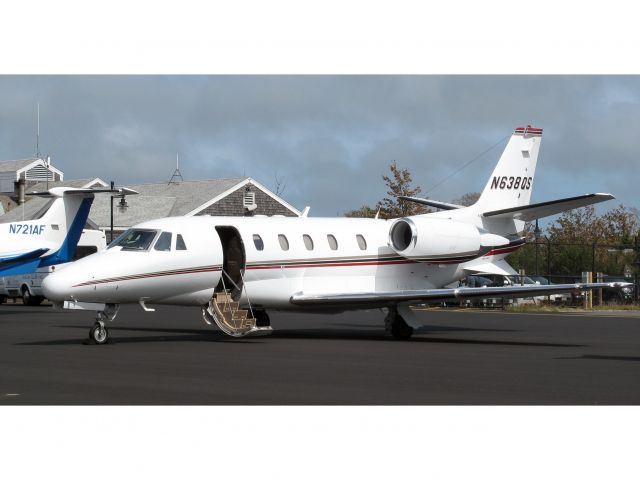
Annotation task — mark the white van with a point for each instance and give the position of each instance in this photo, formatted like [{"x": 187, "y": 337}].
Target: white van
[{"x": 29, "y": 286}]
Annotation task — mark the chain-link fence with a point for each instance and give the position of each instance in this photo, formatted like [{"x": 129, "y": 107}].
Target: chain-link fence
[{"x": 546, "y": 261}]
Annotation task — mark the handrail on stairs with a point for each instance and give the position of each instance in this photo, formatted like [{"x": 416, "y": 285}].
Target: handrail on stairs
[{"x": 244, "y": 287}]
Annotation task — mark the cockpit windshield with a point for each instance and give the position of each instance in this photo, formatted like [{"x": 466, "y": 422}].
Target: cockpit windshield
[{"x": 135, "y": 239}]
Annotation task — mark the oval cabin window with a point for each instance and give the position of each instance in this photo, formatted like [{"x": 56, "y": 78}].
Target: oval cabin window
[
  {"x": 362, "y": 243},
  {"x": 257, "y": 241},
  {"x": 333, "y": 243},
  {"x": 308, "y": 242},
  {"x": 284, "y": 243}
]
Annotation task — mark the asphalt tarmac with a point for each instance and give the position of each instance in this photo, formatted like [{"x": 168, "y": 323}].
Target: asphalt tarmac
[{"x": 171, "y": 357}]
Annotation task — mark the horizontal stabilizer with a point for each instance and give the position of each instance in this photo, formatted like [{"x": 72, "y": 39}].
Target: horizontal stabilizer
[
  {"x": 546, "y": 209},
  {"x": 431, "y": 203},
  {"x": 21, "y": 263},
  {"x": 382, "y": 299},
  {"x": 21, "y": 257}
]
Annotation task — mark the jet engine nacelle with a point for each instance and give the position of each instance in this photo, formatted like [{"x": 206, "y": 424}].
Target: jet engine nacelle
[{"x": 438, "y": 238}]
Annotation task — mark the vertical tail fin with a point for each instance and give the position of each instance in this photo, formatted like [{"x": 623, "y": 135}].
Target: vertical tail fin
[{"x": 511, "y": 182}]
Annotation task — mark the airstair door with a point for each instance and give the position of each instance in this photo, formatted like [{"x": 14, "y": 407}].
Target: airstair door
[
  {"x": 224, "y": 306},
  {"x": 233, "y": 263}
]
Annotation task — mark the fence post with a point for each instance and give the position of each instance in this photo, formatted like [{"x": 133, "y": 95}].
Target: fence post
[{"x": 600, "y": 279}]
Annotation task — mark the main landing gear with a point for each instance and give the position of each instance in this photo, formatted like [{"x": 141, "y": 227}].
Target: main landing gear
[
  {"x": 396, "y": 326},
  {"x": 99, "y": 334}
]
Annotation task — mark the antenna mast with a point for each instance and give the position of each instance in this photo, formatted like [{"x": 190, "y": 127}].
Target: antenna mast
[
  {"x": 38, "y": 133},
  {"x": 176, "y": 174}
]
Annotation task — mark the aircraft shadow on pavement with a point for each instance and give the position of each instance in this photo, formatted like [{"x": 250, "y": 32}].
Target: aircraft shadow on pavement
[
  {"x": 380, "y": 335},
  {"x": 177, "y": 335},
  {"x": 431, "y": 328},
  {"x": 194, "y": 335},
  {"x": 624, "y": 358}
]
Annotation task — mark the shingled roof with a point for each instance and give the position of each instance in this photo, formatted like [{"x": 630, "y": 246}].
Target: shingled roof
[
  {"x": 155, "y": 200},
  {"x": 14, "y": 165}
]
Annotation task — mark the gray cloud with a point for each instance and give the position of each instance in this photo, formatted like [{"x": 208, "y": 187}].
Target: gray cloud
[{"x": 330, "y": 137}]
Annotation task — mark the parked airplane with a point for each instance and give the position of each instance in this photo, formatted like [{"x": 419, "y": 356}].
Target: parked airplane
[
  {"x": 239, "y": 268},
  {"x": 51, "y": 238}
]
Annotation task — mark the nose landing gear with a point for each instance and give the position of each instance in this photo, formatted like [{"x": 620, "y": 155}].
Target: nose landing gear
[{"x": 99, "y": 334}]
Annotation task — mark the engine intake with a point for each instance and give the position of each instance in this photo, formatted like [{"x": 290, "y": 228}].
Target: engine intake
[{"x": 434, "y": 239}]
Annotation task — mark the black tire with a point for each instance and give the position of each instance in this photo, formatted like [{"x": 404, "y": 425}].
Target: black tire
[
  {"x": 398, "y": 328},
  {"x": 3, "y": 299},
  {"x": 262, "y": 318},
  {"x": 27, "y": 298},
  {"x": 99, "y": 334}
]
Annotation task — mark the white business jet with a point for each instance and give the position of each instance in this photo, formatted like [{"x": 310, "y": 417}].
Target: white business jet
[
  {"x": 239, "y": 268},
  {"x": 53, "y": 236}
]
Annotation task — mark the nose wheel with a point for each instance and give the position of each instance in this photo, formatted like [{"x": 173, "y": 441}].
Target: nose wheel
[{"x": 99, "y": 333}]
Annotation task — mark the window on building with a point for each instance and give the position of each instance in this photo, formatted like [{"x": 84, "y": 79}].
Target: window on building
[
  {"x": 333, "y": 243},
  {"x": 308, "y": 242},
  {"x": 257, "y": 241},
  {"x": 362, "y": 243},
  {"x": 163, "y": 244},
  {"x": 284, "y": 243},
  {"x": 180, "y": 245}
]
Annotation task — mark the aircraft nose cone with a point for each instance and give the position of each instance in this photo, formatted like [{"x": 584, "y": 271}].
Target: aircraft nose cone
[{"x": 54, "y": 288}]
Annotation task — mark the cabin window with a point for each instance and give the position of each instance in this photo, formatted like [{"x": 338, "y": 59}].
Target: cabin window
[
  {"x": 308, "y": 241},
  {"x": 257, "y": 241},
  {"x": 362, "y": 243},
  {"x": 135, "y": 239},
  {"x": 163, "y": 244},
  {"x": 180, "y": 245},
  {"x": 284, "y": 243},
  {"x": 333, "y": 243}
]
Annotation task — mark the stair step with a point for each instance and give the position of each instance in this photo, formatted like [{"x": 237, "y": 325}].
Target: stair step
[
  {"x": 230, "y": 306},
  {"x": 240, "y": 315},
  {"x": 222, "y": 297}
]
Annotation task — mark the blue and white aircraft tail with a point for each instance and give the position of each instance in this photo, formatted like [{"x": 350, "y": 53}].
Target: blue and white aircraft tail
[{"x": 53, "y": 237}]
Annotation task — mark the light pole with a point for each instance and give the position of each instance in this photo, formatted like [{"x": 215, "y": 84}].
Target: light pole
[
  {"x": 122, "y": 206},
  {"x": 111, "y": 231}
]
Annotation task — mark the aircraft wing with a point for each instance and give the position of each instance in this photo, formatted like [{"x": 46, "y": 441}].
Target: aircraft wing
[
  {"x": 383, "y": 299},
  {"x": 545, "y": 209},
  {"x": 431, "y": 203},
  {"x": 61, "y": 191}
]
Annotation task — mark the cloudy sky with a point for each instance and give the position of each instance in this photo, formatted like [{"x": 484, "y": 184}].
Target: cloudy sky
[{"x": 329, "y": 138}]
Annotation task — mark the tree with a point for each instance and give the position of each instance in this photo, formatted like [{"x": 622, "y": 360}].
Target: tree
[
  {"x": 467, "y": 199},
  {"x": 581, "y": 240},
  {"x": 363, "y": 212},
  {"x": 399, "y": 183}
]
